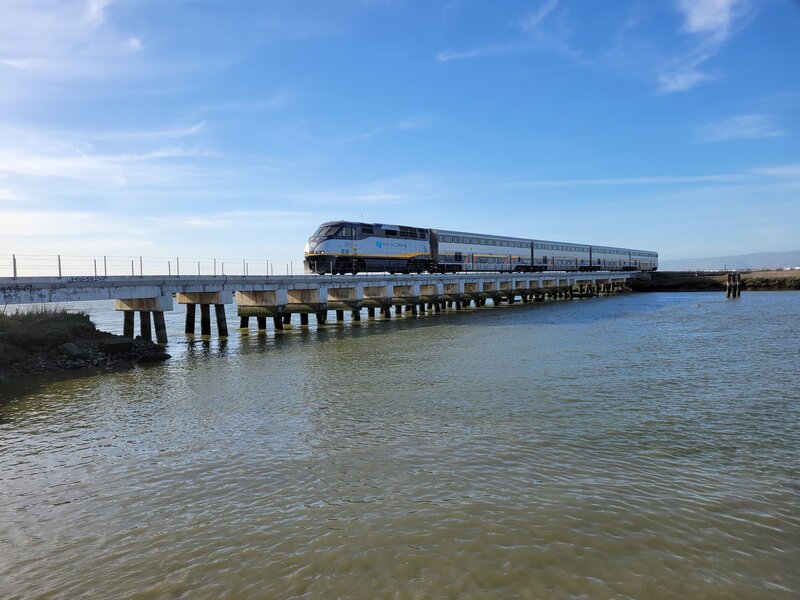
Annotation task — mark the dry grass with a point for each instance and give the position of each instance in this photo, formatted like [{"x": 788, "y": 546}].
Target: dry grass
[{"x": 44, "y": 326}]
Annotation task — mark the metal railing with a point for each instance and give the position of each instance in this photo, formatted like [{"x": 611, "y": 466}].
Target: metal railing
[{"x": 62, "y": 265}]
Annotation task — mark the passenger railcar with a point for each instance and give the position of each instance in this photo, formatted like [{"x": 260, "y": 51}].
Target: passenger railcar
[{"x": 351, "y": 247}]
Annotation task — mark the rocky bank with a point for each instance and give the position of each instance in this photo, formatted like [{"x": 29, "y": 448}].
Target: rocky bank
[{"x": 46, "y": 341}]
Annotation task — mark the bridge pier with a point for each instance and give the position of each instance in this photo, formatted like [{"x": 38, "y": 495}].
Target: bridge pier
[
  {"x": 304, "y": 319},
  {"x": 205, "y": 319},
  {"x": 145, "y": 307},
  {"x": 262, "y": 323},
  {"x": 161, "y": 326},
  {"x": 205, "y": 300},
  {"x": 356, "y": 315}
]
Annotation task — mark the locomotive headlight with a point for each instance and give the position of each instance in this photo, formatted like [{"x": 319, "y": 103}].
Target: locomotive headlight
[{"x": 307, "y": 249}]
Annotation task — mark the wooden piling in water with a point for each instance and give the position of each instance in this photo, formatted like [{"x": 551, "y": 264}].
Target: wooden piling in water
[{"x": 733, "y": 287}]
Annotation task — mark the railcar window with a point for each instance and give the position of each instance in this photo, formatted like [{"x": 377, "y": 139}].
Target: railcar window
[
  {"x": 474, "y": 240},
  {"x": 391, "y": 232},
  {"x": 367, "y": 230},
  {"x": 347, "y": 231}
]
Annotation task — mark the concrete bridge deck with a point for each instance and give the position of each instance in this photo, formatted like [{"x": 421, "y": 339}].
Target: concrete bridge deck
[{"x": 280, "y": 296}]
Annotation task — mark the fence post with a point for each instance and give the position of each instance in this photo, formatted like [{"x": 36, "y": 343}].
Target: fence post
[
  {"x": 95, "y": 267},
  {"x": 223, "y": 268},
  {"x": 140, "y": 267},
  {"x": 215, "y": 267},
  {"x": 14, "y": 265},
  {"x": 105, "y": 267},
  {"x": 132, "y": 271},
  {"x": 178, "y": 266},
  {"x": 198, "y": 267},
  {"x": 169, "y": 268},
  {"x": 291, "y": 267},
  {"x": 59, "y": 266},
  {"x": 244, "y": 267}
]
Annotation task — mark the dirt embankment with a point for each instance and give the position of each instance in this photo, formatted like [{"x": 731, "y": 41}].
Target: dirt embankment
[
  {"x": 56, "y": 340},
  {"x": 690, "y": 281}
]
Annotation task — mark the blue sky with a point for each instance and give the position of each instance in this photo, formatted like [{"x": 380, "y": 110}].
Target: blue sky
[{"x": 202, "y": 128}]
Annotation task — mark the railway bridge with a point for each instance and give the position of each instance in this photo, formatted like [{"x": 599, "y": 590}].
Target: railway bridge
[{"x": 279, "y": 297}]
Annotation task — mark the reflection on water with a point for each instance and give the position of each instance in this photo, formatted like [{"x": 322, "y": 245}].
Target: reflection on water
[{"x": 640, "y": 446}]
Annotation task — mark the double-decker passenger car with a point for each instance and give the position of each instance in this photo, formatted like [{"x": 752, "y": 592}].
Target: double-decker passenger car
[{"x": 351, "y": 247}]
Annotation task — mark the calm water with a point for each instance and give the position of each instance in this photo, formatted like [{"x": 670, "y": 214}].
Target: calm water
[{"x": 643, "y": 446}]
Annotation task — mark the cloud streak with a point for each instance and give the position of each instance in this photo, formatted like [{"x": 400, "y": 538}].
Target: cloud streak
[
  {"x": 747, "y": 127},
  {"x": 676, "y": 66}
]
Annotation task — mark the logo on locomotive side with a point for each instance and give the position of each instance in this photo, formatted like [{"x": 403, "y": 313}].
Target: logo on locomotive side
[{"x": 379, "y": 243}]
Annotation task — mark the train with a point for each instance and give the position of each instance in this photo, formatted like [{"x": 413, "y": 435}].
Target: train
[{"x": 339, "y": 247}]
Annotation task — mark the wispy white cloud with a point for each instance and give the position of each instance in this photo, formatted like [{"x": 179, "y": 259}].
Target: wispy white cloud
[
  {"x": 537, "y": 34},
  {"x": 790, "y": 171},
  {"x": 277, "y": 101},
  {"x": 676, "y": 66},
  {"x": 781, "y": 172},
  {"x": 485, "y": 51},
  {"x": 658, "y": 180},
  {"x": 708, "y": 17},
  {"x": 751, "y": 127},
  {"x": 709, "y": 24},
  {"x": 533, "y": 20},
  {"x": 407, "y": 189},
  {"x": 407, "y": 124},
  {"x": 61, "y": 40}
]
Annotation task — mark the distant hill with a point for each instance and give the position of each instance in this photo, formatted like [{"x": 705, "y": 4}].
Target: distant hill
[{"x": 759, "y": 260}]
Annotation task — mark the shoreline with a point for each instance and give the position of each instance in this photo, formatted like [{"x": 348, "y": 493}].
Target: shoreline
[
  {"x": 58, "y": 341},
  {"x": 700, "y": 281}
]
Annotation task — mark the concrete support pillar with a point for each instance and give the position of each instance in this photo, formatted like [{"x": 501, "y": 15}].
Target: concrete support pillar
[
  {"x": 304, "y": 319},
  {"x": 145, "y": 329},
  {"x": 356, "y": 315},
  {"x": 287, "y": 318},
  {"x": 244, "y": 322},
  {"x": 190, "y": 317},
  {"x": 339, "y": 316},
  {"x": 161, "y": 326},
  {"x": 205, "y": 319},
  {"x": 398, "y": 310},
  {"x": 422, "y": 308},
  {"x": 262, "y": 323},
  {"x": 321, "y": 317},
  {"x": 127, "y": 323},
  {"x": 278, "y": 323},
  {"x": 386, "y": 312},
  {"x": 437, "y": 307},
  {"x": 222, "y": 321},
  {"x": 371, "y": 312},
  {"x": 413, "y": 309}
]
